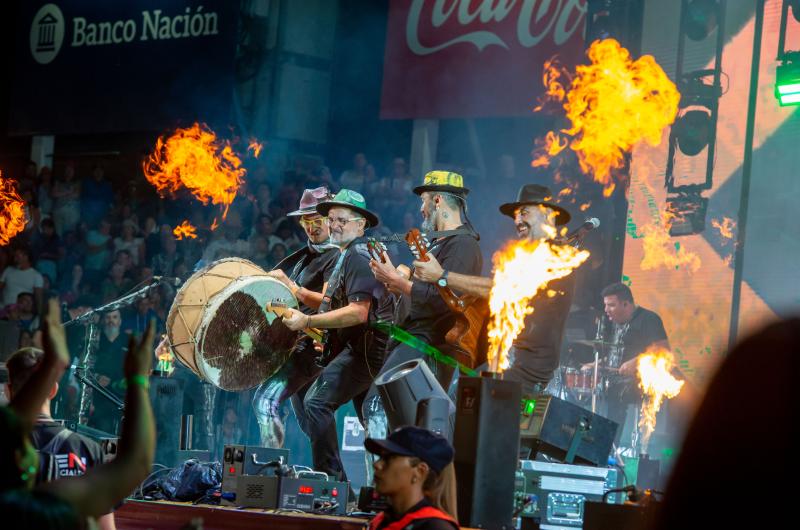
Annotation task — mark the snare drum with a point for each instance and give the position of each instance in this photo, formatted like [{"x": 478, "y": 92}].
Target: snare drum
[
  {"x": 218, "y": 326},
  {"x": 579, "y": 380}
]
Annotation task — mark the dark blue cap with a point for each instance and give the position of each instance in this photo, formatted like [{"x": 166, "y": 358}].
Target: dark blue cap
[{"x": 431, "y": 448}]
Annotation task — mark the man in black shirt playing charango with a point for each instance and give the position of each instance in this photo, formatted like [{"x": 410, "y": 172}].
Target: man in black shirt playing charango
[
  {"x": 421, "y": 310},
  {"x": 63, "y": 453},
  {"x": 350, "y": 300},
  {"x": 534, "y": 355},
  {"x": 304, "y": 272}
]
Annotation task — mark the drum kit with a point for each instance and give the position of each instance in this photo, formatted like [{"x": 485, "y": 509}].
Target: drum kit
[{"x": 590, "y": 382}]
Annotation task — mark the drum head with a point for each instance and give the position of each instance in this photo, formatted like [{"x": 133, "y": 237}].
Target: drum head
[
  {"x": 193, "y": 298},
  {"x": 240, "y": 344}
]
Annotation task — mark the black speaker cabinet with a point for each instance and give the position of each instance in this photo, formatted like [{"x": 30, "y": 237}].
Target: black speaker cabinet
[
  {"x": 486, "y": 443},
  {"x": 559, "y": 429},
  {"x": 166, "y": 396}
]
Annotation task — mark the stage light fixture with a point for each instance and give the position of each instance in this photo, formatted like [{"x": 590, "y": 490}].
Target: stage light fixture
[
  {"x": 787, "y": 83},
  {"x": 405, "y": 387},
  {"x": 701, "y": 18},
  {"x": 687, "y": 213},
  {"x": 693, "y": 131}
]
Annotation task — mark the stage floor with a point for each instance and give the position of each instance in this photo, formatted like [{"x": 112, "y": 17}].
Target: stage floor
[{"x": 163, "y": 515}]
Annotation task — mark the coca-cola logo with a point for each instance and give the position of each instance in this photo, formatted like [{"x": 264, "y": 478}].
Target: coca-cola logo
[{"x": 536, "y": 20}]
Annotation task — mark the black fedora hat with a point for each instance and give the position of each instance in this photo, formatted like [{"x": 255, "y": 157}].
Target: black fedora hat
[{"x": 536, "y": 194}]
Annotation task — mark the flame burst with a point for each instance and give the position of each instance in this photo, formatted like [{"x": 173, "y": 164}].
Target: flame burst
[
  {"x": 613, "y": 104},
  {"x": 725, "y": 227},
  {"x": 185, "y": 229},
  {"x": 193, "y": 158},
  {"x": 12, "y": 211},
  {"x": 660, "y": 251},
  {"x": 255, "y": 148},
  {"x": 653, "y": 370},
  {"x": 523, "y": 269}
]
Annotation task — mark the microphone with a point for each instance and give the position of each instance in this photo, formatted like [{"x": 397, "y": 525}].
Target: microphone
[
  {"x": 579, "y": 233},
  {"x": 168, "y": 279}
]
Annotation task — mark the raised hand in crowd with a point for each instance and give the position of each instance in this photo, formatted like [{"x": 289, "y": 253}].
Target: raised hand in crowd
[{"x": 102, "y": 487}]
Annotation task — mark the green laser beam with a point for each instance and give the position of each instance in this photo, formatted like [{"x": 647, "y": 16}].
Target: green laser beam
[{"x": 408, "y": 339}]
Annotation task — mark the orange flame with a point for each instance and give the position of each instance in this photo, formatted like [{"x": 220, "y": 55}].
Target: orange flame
[
  {"x": 585, "y": 206},
  {"x": 522, "y": 269},
  {"x": 185, "y": 229},
  {"x": 12, "y": 211},
  {"x": 255, "y": 148},
  {"x": 193, "y": 158},
  {"x": 613, "y": 104},
  {"x": 554, "y": 79},
  {"x": 725, "y": 227},
  {"x": 653, "y": 369},
  {"x": 564, "y": 192},
  {"x": 660, "y": 251}
]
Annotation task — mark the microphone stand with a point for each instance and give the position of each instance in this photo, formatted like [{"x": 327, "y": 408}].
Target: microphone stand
[{"x": 81, "y": 370}]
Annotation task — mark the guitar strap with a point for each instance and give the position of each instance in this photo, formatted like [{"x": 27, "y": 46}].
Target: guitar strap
[{"x": 333, "y": 283}]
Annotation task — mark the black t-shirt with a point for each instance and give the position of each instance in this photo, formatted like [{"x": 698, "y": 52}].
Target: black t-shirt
[
  {"x": 640, "y": 332},
  {"x": 425, "y": 314},
  {"x": 68, "y": 456},
  {"x": 109, "y": 360},
  {"x": 390, "y": 517},
  {"x": 357, "y": 283},
  {"x": 537, "y": 348},
  {"x": 310, "y": 269}
]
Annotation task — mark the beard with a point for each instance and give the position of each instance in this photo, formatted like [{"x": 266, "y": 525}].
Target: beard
[{"x": 429, "y": 222}]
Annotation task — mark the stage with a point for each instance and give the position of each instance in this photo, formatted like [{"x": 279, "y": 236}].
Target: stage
[{"x": 163, "y": 515}]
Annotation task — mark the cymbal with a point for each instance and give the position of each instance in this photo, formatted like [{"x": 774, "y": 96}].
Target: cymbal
[{"x": 593, "y": 342}]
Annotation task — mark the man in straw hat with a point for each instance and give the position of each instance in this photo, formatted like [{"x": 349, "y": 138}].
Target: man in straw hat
[
  {"x": 350, "y": 298},
  {"x": 422, "y": 311},
  {"x": 534, "y": 355},
  {"x": 304, "y": 272}
]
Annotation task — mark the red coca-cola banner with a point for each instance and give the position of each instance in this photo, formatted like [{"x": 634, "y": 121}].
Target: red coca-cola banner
[{"x": 472, "y": 58}]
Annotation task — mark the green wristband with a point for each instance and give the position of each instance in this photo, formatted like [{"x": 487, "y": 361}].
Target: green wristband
[{"x": 140, "y": 380}]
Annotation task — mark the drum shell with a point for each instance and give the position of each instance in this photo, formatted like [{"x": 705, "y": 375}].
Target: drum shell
[{"x": 192, "y": 299}]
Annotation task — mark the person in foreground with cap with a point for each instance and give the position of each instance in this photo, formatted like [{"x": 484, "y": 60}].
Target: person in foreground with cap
[
  {"x": 415, "y": 473},
  {"x": 304, "y": 272},
  {"x": 535, "y": 353},
  {"x": 349, "y": 300},
  {"x": 421, "y": 310}
]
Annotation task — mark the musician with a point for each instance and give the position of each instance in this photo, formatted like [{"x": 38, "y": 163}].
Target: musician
[
  {"x": 421, "y": 310},
  {"x": 534, "y": 355},
  {"x": 632, "y": 330},
  {"x": 353, "y": 297},
  {"x": 304, "y": 272}
]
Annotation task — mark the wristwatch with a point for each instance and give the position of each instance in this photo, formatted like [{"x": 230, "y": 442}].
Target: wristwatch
[{"x": 442, "y": 281}]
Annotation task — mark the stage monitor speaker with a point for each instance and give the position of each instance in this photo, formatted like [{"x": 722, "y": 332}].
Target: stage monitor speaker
[
  {"x": 565, "y": 431},
  {"x": 486, "y": 443}
]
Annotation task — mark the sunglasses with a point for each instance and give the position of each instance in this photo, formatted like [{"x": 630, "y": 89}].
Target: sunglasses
[{"x": 315, "y": 222}]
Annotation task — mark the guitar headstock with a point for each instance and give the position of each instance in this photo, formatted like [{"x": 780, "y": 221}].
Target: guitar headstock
[
  {"x": 376, "y": 250},
  {"x": 414, "y": 239},
  {"x": 279, "y": 308}
]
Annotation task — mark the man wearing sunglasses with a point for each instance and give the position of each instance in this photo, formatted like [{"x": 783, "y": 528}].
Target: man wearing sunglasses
[
  {"x": 351, "y": 299},
  {"x": 305, "y": 273}
]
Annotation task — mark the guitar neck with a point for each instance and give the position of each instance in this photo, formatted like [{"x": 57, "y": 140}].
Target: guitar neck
[{"x": 282, "y": 309}]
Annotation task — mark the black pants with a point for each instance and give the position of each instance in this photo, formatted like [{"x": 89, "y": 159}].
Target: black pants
[{"x": 347, "y": 377}]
